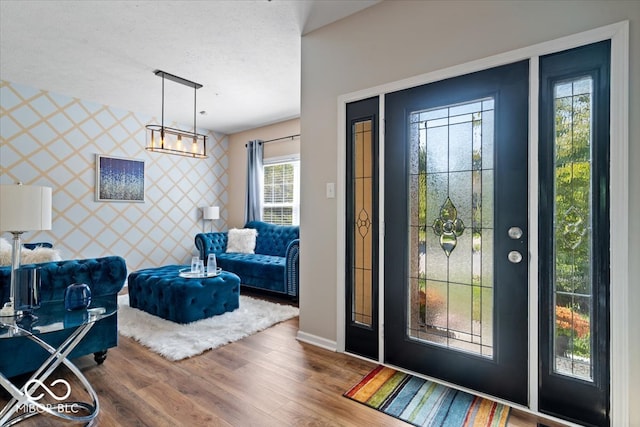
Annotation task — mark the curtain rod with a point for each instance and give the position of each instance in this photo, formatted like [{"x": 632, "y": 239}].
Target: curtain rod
[
  {"x": 284, "y": 137},
  {"x": 279, "y": 139}
]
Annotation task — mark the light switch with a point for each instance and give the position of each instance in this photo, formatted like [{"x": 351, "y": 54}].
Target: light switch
[{"x": 331, "y": 190}]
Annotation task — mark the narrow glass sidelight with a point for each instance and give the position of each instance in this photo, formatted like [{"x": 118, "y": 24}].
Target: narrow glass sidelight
[
  {"x": 574, "y": 345},
  {"x": 361, "y": 228},
  {"x": 572, "y": 234},
  {"x": 451, "y": 226}
]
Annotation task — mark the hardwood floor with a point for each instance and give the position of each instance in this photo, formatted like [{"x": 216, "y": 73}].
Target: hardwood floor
[{"x": 267, "y": 379}]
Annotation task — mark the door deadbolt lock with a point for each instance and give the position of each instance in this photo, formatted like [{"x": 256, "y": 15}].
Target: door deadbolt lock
[
  {"x": 515, "y": 257},
  {"x": 515, "y": 233}
]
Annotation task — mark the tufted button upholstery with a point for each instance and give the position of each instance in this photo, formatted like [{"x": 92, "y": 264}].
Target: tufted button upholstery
[
  {"x": 162, "y": 292},
  {"x": 274, "y": 265},
  {"x": 273, "y": 240},
  {"x": 105, "y": 276}
]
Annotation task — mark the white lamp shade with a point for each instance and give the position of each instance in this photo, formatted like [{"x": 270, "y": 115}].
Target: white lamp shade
[
  {"x": 211, "y": 212},
  {"x": 25, "y": 208}
]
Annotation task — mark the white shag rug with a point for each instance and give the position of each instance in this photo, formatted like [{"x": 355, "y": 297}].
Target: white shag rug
[{"x": 177, "y": 341}]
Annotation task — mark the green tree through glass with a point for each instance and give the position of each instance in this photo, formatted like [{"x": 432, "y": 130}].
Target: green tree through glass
[{"x": 572, "y": 226}]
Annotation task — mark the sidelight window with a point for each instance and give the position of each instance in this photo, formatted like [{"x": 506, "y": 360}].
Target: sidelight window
[{"x": 573, "y": 245}]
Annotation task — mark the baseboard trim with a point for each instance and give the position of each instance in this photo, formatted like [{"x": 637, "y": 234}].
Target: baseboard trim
[{"x": 317, "y": 341}]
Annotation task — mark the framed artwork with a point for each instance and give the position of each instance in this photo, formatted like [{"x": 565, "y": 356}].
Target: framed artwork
[{"x": 119, "y": 179}]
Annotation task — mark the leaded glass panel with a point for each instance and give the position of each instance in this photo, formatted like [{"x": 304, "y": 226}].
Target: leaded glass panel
[
  {"x": 451, "y": 226},
  {"x": 361, "y": 229},
  {"x": 572, "y": 288}
]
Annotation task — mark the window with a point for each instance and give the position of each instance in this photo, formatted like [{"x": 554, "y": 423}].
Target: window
[
  {"x": 281, "y": 204},
  {"x": 574, "y": 234}
]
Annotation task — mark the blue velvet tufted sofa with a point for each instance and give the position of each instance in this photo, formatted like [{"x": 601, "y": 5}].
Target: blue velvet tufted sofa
[
  {"x": 105, "y": 276},
  {"x": 274, "y": 265}
]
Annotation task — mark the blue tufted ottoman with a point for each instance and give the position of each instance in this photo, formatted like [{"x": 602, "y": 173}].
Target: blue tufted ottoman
[{"x": 162, "y": 292}]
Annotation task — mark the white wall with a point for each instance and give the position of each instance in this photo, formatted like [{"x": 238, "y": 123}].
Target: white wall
[
  {"x": 398, "y": 39},
  {"x": 237, "y": 170},
  {"x": 51, "y": 139}
]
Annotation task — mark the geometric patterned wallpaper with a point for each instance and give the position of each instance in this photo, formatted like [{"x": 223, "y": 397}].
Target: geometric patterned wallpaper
[{"x": 51, "y": 139}]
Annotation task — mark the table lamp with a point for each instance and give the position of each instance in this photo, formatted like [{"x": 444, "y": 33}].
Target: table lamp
[
  {"x": 210, "y": 213},
  {"x": 22, "y": 208}
]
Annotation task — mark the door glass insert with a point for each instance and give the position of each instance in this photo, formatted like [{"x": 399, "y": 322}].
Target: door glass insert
[
  {"x": 572, "y": 228},
  {"x": 362, "y": 185},
  {"x": 451, "y": 226}
]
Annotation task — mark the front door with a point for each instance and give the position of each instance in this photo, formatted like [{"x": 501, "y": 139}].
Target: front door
[{"x": 456, "y": 237}]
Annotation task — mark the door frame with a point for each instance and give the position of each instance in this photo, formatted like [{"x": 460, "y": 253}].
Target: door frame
[{"x": 618, "y": 33}]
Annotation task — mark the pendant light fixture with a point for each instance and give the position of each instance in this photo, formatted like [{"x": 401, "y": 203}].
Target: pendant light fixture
[{"x": 175, "y": 141}]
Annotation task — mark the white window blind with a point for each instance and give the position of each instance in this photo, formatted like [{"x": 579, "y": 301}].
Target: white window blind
[{"x": 281, "y": 204}]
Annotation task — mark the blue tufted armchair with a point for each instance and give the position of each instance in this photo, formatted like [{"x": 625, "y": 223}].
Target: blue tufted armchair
[{"x": 105, "y": 276}]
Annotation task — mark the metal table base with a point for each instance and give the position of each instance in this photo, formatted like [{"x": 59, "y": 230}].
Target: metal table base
[{"x": 23, "y": 399}]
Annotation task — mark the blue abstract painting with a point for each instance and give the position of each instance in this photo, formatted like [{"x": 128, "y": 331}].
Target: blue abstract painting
[{"x": 119, "y": 180}]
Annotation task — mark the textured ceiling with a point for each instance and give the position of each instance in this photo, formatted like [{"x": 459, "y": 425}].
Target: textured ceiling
[{"x": 246, "y": 54}]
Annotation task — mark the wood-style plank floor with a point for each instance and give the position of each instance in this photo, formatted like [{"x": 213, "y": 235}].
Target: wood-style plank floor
[{"x": 267, "y": 379}]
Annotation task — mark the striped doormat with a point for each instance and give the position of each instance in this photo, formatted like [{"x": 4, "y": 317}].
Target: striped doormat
[{"x": 425, "y": 403}]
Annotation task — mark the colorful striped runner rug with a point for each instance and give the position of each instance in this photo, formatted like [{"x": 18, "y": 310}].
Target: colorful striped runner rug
[{"x": 425, "y": 403}]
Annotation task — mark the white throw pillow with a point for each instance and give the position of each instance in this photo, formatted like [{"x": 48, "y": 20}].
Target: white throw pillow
[
  {"x": 27, "y": 256},
  {"x": 5, "y": 245},
  {"x": 39, "y": 255},
  {"x": 241, "y": 240},
  {"x": 5, "y": 251}
]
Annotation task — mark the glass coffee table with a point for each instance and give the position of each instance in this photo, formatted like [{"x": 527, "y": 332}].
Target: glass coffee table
[{"x": 52, "y": 317}]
